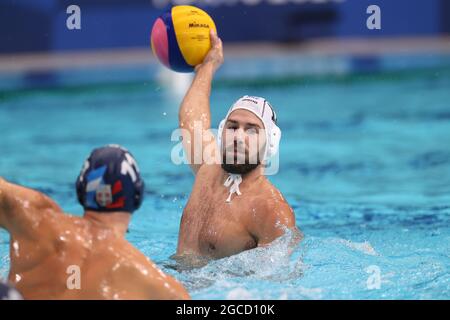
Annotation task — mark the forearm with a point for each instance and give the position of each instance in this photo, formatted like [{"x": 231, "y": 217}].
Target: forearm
[{"x": 196, "y": 104}]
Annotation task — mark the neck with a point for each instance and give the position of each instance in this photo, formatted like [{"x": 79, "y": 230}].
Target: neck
[{"x": 117, "y": 221}]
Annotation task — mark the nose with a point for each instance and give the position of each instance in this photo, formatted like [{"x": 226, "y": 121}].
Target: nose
[{"x": 239, "y": 136}]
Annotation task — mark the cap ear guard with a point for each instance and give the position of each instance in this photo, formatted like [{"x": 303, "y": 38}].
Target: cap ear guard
[
  {"x": 80, "y": 184},
  {"x": 139, "y": 197},
  {"x": 219, "y": 134},
  {"x": 273, "y": 142},
  {"x": 274, "y": 136}
]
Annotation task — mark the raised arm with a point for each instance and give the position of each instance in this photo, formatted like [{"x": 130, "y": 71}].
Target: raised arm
[
  {"x": 195, "y": 115},
  {"x": 21, "y": 208}
]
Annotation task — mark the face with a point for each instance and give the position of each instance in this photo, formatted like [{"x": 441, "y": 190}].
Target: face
[{"x": 243, "y": 142}]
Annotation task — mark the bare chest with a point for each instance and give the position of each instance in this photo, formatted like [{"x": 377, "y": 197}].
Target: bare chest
[{"x": 211, "y": 226}]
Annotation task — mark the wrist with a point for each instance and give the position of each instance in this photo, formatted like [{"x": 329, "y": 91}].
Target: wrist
[{"x": 206, "y": 66}]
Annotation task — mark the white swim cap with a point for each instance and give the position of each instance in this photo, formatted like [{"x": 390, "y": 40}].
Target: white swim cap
[{"x": 264, "y": 111}]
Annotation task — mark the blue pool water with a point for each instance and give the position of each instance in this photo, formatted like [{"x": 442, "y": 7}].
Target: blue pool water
[{"x": 365, "y": 163}]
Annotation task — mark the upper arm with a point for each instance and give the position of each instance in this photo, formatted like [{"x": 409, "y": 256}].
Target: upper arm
[
  {"x": 274, "y": 220},
  {"x": 199, "y": 143},
  {"x": 21, "y": 207}
]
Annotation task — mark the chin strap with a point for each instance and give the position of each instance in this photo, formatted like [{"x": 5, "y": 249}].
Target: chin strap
[{"x": 233, "y": 182}]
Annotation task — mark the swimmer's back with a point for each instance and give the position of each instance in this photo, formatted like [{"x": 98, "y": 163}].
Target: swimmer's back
[{"x": 50, "y": 251}]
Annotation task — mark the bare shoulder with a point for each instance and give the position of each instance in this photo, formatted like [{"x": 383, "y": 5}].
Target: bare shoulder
[
  {"x": 271, "y": 216},
  {"x": 149, "y": 281},
  {"x": 275, "y": 207}
]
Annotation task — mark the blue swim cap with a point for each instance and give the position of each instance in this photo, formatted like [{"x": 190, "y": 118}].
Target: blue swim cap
[
  {"x": 9, "y": 293},
  {"x": 110, "y": 181}
]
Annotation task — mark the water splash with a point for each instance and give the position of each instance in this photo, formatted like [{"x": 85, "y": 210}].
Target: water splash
[{"x": 278, "y": 262}]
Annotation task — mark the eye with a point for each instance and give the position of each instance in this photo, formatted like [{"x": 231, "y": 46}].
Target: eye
[
  {"x": 232, "y": 127},
  {"x": 252, "y": 131}
]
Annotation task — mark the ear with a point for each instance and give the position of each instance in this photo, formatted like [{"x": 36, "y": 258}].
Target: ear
[{"x": 139, "y": 197}]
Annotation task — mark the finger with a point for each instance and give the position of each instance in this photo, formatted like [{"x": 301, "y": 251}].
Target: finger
[
  {"x": 214, "y": 38},
  {"x": 217, "y": 44}
]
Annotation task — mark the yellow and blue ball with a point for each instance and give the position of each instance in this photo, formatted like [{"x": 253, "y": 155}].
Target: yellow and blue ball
[{"x": 180, "y": 37}]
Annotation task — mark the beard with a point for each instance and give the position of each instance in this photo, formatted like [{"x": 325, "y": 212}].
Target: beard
[{"x": 239, "y": 168}]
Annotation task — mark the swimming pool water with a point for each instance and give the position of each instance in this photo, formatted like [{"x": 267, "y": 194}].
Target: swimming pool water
[{"x": 365, "y": 163}]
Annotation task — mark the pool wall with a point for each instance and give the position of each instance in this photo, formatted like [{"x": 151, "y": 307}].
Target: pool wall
[
  {"x": 126, "y": 24},
  {"x": 242, "y": 63}
]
